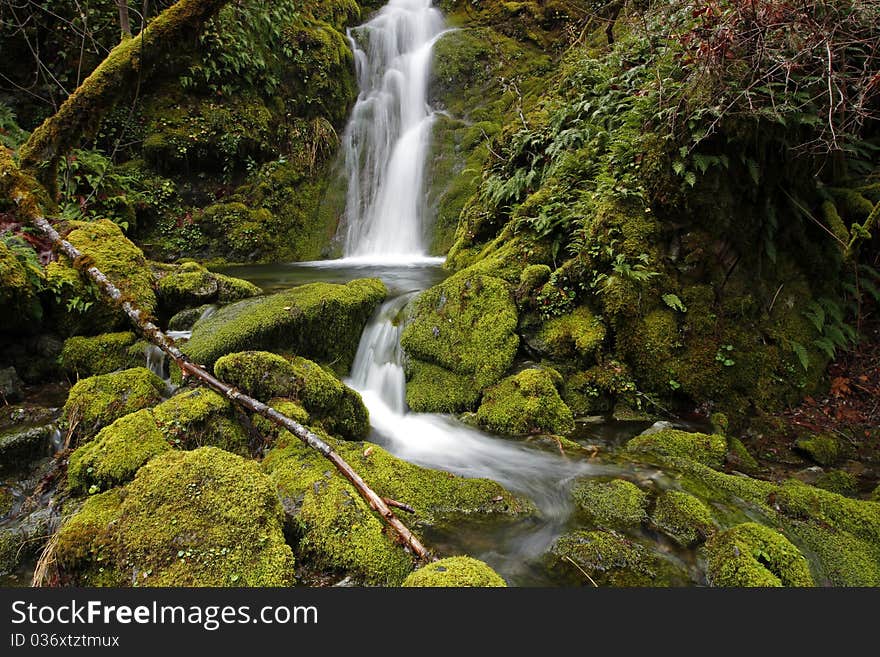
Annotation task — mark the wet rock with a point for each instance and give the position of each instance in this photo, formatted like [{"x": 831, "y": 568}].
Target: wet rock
[
  {"x": 320, "y": 321},
  {"x": 186, "y": 319},
  {"x": 21, "y": 445},
  {"x": 616, "y": 504},
  {"x": 10, "y": 385},
  {"x": 23, "y": 539}
]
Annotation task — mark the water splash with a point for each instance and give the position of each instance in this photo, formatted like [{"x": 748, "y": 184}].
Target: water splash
[{"x": 387, "y": 139}]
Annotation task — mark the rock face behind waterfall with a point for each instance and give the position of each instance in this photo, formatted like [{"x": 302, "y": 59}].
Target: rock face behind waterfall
[{"x": 320, "y": 321}]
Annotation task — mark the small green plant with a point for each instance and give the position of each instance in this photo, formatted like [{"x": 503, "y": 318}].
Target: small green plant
[
  {"x": 674, "y": 302},
  {"x": 723, "y": 355}
]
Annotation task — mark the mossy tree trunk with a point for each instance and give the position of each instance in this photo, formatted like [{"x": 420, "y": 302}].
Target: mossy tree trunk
[{"x": 176, "y": 28}]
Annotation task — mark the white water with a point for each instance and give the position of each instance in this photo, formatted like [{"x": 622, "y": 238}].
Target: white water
[{"x": 387, "y": 139}]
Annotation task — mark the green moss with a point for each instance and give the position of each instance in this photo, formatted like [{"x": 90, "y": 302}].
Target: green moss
[
  {"x": 839, "y": 534},
  {"x": 454, "y": 572},
  {"x": 875, "y": 495},
  {"x": 199, "y": 417},
  {"x": 605, "y": 558},
  {"x": 98, "y": 401},
  {"x": 527, "y": 402},
  {"x": 116, "y": 453},
  {"x": 754, "y": 555},
  {"x": 671, "y": 443},
  {"x": 321, "y": 321},
  {"x": 616, "y": 504},
  {"x": 330, "y": 403},
  {"x": 336, "y": 528},
  {"x": 575, "y": 336},
  {"x": 533, "y": 277},
  {"x": 6, "y": 501},
  {"x": 87, "y": 544},
  {"x": 597, "y": 389},
  {"x": 822, "y": 448},
  {"x": 200, "y": 518},
  {"x": 101, "y": 354},
  {"x": 739, "y": 457},
  {"x": 18, "y": 292},
  {"x": 465, "y": 325},
  {"x": 434, "y": 389},
  {"x": 231, "y": 289},
  {"x": 838, "y": 481},
  {"x": 649, "y": 346},
  {"x": 682, "y": 517},
  {"x": 119, "y": 259}
]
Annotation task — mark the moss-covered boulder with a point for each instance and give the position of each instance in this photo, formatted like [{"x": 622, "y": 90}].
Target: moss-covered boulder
[
  {"x": 572, "y": 337},
  {"x": 466, "y": 326},
  {"x": 674, "y": 444},
  {"x": 186, "y": 318},
  {"x": 192, "y": 419},
  {"x": 200, "y": 518},
  {"x": 841, "y": 534},
  {"x": 82, "y": 308},
  {"x": 454, "y": 572},
  {"x": 321, "y": 321},
  {"x": 598, "y": 389},
  {"x": 335, "y": 528},
  {"x": 98, "y": 401},
  {"x": 682, "y": 517},
  {"x": 330, "y": 403},
  {"x": 754, "y": 555},
  {"x": 20, "y": 445},
  {"x": 606, "y": 558},
  {"x": 193, "y": 285},
  {"x": 117, "y": 453},
  {"x": 527, "y": 402},
  {"x": 838, "y": 481},
  {"x": 739, "y": 457},
  {"x": 101, "y": 354},
  {"x": 201, "y": 417},
  {"x": 616, "y": 504},
  {"x": 822, "y": 448}
]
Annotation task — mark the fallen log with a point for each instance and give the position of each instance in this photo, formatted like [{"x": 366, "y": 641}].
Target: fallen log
[{"x": 155, "y": 335}]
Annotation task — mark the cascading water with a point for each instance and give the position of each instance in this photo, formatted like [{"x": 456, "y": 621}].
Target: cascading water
[{"x": 387, "y": 138}]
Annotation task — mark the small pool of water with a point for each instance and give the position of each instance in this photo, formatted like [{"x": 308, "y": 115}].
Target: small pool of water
[{"x": 400, "y": 278}]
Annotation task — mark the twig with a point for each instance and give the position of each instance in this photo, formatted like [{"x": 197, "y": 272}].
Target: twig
[{"x": 586, "y": 574}]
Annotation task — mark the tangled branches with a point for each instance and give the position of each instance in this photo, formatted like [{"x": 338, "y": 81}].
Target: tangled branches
[{"x": 814, "y": 64}]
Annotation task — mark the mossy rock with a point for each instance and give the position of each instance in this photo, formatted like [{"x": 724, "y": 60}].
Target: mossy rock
[
  {"x": 823, "y": 448},
  {"x": 576, "y": 336},
  {"x": 329, "y": 402},
  {"x": 739, "y": 457},
  {"x": 321, "y": 321},
  {"x": 195, "y": 418},
  {"x": 116, "y": 454},
  {"x": 18, "y": 293},
  {"x": 200, "y": 518},
  {"x": 682, "y": 517},
  {"x": 336, "y": 529},
  {"x": 105, "y": 247},
  {"x": 432, "y": 388},
  {"x": 527, "y": 402},
  {"x": 673, "y": 444},
  {"x": 754, "y": 555},
  {"x": 454, "y": 572},
  {"x": 616, "y": 504},
  {"x": 21, "y": 445},
  {"x": 101, "y": 354},
  {"x": 201, "y": 417},
  {"x": 606, "y": 558},
  {"x": 98, "y": 401},
  {"x": 193, "y": 285},
  {"x": 465, "y": 325},
  {"x": 186, "y": 318},
  {"x": 839, "y": 481},
  {"x": 841, "y": 535},
  {"x": 597, "y": 389}
]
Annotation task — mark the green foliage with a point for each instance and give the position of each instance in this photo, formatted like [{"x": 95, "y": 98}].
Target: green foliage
[{"x": 11, "y": 135}]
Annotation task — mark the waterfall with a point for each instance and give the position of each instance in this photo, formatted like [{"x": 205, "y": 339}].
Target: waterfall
[{"x": 388, "y": 135}]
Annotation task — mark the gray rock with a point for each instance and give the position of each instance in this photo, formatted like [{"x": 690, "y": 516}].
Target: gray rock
[{"x": 10, "y": 385}]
